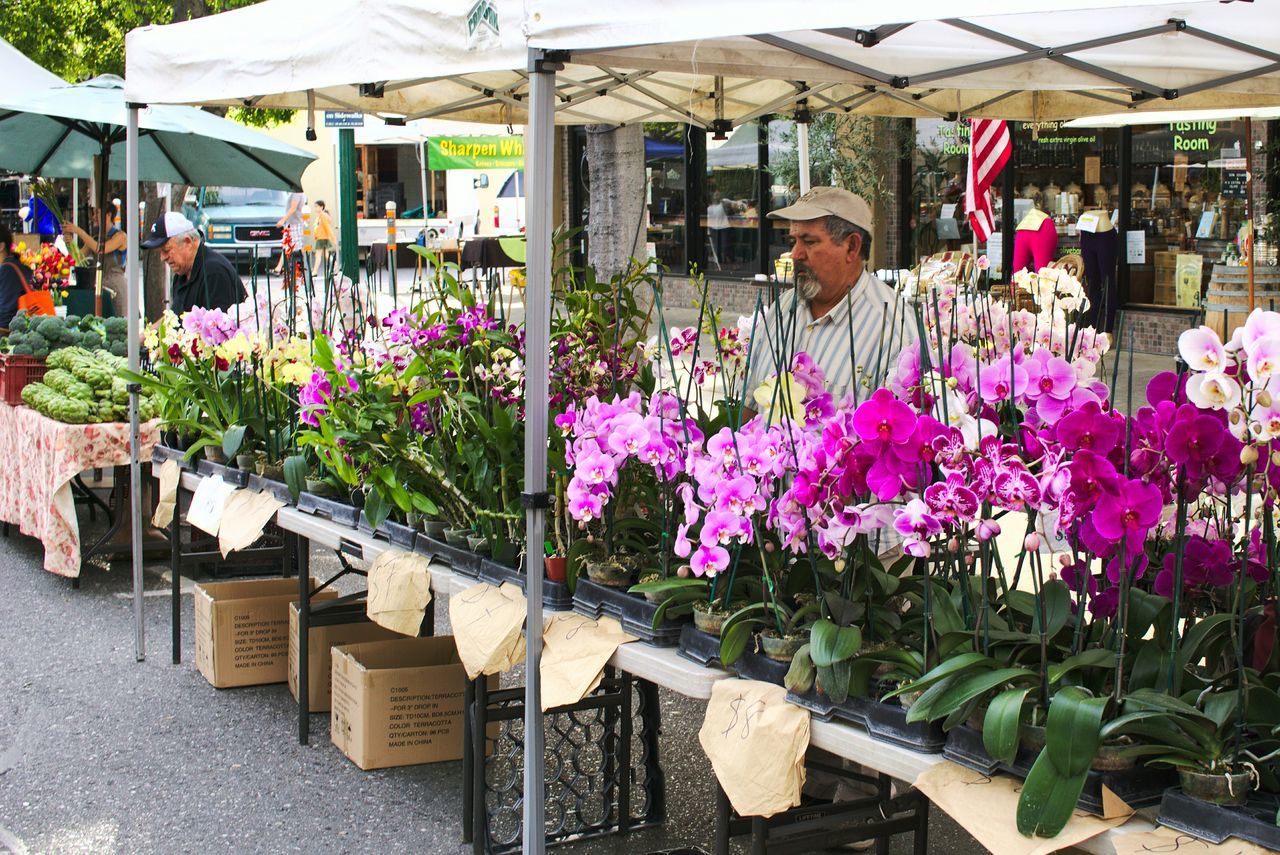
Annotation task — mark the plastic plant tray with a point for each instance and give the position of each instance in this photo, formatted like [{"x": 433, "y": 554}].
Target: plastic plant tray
[
  {"x": 239, "y": 477},
  {"x": 331, "y": 509},
  {"x": 462, "y": 560},
  {"x": 1254, "y": 821},
  {"x": 700, "y": 647},
  {"x": 1139, "y": 787},
  {"x": 555, "y": 595},
  {"x": 634, "y": 612},
  {"x": 267, "y": 485}
]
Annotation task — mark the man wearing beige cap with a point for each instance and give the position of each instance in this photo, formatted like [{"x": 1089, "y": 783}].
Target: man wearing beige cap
[{"x": 838, "y": 313}]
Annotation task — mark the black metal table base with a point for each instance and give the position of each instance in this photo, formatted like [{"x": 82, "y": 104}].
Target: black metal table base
[
  {"x": 825, "y": 825},
  {"x": 602, "y": 770}
]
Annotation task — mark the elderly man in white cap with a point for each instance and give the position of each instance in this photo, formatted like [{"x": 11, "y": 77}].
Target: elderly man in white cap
[
  {"x": 839, "y": 314},
  {"x": 202, "y": 277}
]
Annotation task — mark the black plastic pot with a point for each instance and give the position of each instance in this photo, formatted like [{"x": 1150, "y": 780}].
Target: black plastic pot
[
  {"x": 555, "y": 595},
  {"x": 885, "y": 721},
  {"x": 1139, "y": 787},
  {"x": 700, "y": 647},
  {"x": 330, "y": 509},
  {"x": 276, "y": 488},
  {"x": 633, "y": 611},
  {"x": 462, "y": 560},
  {"x": 229, "y": 474},
  {"x": 1254, "y": 821}
]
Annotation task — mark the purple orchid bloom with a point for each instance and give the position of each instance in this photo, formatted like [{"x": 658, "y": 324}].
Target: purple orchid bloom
[
  {"x": 709, "y": 560},
  {"x": 1088, "y": 428},
  {"x": 951, "y": 500}
]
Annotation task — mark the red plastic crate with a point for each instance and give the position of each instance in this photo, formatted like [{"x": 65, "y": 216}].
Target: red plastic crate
[{"x": 16, "y": 372}]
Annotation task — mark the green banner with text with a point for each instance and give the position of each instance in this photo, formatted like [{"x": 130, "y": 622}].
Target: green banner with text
[{"x": 475, "y": 152}]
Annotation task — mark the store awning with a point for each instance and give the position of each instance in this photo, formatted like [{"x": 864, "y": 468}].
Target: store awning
[
  {"x": 733, "y": 61},
  {"x": 20, "y": 73}
]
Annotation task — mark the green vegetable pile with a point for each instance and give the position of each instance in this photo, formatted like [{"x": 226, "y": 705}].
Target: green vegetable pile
[
  {"x": 82, "y": 386},
  {"x": 43, "y": 335}
]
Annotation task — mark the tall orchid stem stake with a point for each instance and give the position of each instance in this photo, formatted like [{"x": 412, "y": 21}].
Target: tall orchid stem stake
[
  {"x": 1122, "y": 620},
  {"x": 1237, "y": 621},
  {"x": 1037, "y": 578},
  {"x": 1179, "y": 547}
]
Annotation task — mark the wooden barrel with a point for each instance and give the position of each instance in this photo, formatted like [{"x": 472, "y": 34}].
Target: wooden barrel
[{"x": 1226, "y": 301}]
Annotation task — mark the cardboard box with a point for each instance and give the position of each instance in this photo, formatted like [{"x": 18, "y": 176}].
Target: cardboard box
[
  {"x": 397, "y": 703},
  {"x": 242, "y": 630},
  {"x": 319, "y": 664}
]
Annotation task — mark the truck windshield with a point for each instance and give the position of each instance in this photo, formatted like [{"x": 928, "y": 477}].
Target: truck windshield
[{"x": 244, "y": 196}]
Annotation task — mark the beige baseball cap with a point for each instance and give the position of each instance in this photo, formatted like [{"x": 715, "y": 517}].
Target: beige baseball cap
[{"x": 825, "y": 202}]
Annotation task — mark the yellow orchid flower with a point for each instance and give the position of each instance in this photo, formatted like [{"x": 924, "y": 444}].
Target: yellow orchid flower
[{"x": 786, "y": 403}]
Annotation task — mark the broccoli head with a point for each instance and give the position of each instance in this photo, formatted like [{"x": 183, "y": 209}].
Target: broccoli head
[
  {"x": 22, "y": 350},
  {"x": 71, "y": 337},
  {"x": 91, "y": 341},
  {"x": 19, "y": 322},
  {"x": 116, "y": 327},
  {"x": 73, "y": 320},
  {"x": 51, "y": 327},
  {"x": 119, "y": 348}
]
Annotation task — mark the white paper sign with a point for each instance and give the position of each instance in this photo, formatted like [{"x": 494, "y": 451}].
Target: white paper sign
[
  {"x": 1135, "y": 247},
  {"x": 995, "y": 252},
  {"x": 948, "y": 211},
  {"x": 1088, "y": 221},
  {"x": 208, "y": 502}
]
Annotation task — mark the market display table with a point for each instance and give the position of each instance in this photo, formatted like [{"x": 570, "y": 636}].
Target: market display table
[
  {"x": 664, "y": 667},
  {"x": 44, "y": 457}
]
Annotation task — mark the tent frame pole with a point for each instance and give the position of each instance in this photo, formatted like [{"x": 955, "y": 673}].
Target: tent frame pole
[
  {"x": 133, "y": 304},
  {"x": 539, "y": 169}
]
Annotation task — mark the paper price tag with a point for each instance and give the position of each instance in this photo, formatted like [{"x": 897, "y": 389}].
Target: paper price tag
[
  {"x": 756, "y": 742},
  {"x": 208, "y": 504},
  {"x": 167, "y": 499},
  {"x": 244, "y": 515},
  {"x": 487, "y": 623},
  {"x": 399, "y": 591},
  {"x": 575, "y": 651}
]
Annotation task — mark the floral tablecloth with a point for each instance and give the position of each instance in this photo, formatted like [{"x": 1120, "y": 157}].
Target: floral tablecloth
[{"x": 38, "y": 459}]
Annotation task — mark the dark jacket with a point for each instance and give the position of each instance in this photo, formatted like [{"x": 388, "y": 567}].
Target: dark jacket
[
  {"x": 11, "y": 288},
  {"x": 212, "y": 283}
]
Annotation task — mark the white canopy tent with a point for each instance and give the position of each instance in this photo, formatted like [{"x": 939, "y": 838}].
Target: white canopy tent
[
  {"x": 713, "y": 63},
  {"x": 1014, "y": 60},
  {"x": 20, "y": 73}
]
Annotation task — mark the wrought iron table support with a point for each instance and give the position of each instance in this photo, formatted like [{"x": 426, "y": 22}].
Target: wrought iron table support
[
  {"x": 826, "y": 825},
  {"x": 596, "y": 760}
]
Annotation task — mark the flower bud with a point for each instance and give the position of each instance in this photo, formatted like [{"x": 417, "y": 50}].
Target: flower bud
[
  {"x": 684, "y": 571},
  {"x": 1031, "y": 542},
  {"x": 1065, "y": 560},
  {"x": 1236, "y": 417},
  {"x": 988, "y": 529},
  {"x": 1275, "y": 458},
  {"x": 968, "y": 559},
  {"x": 839, "y": 564},
  {"x": 1264, "y": 398},
  {"x": 1249, "y": 455},
  {"x": 953, "y": 545},
  {"x": 768, "y": 546}
]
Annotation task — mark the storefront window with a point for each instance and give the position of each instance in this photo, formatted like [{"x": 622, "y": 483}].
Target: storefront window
[
  {"x": 1188, "y": 191},
  {"x": 732, "y": 216},
  {"x": 938, "y": 174},
  {"x": 664, "y": 152}
]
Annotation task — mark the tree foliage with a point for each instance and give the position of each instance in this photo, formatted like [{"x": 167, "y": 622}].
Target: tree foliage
[
  {"x": 80, "y": 39},
  {"x": 852, "y": 152}
]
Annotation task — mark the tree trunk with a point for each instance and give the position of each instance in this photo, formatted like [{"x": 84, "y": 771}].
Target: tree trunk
[
  {"x": 155, "y": 280},
  {"x": 615, "y": 159}
]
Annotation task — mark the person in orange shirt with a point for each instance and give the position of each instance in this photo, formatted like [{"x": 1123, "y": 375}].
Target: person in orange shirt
[{"x": 323, "y": 232}]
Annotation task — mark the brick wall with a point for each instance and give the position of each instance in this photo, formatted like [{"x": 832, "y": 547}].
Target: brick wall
[
  {"x": 1153, "y": 331},
  {"x": 732, "y": 296}
]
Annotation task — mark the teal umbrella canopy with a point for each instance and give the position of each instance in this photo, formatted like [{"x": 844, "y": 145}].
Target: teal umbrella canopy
[{"x": 57, "y": 132}]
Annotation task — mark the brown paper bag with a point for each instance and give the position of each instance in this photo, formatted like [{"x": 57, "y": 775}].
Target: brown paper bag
[
  {"x": 955, "y": 790},
  {"x": 1168, "y": 840},
  {"x": 399, "y": 591},
  {"x": 244, "y": 516},
  {"x": 574, "y": 653},
  {"x": 756, "y": 742},
  {"x": 170, "y": 474},
  {"x": 487, "y": 623}
]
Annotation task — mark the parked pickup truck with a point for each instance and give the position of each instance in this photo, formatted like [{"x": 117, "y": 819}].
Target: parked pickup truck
[{"x": 238, "y": 221}]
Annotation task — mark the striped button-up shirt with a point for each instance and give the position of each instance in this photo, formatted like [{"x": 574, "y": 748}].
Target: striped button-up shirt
[{"x": 855, "y": 343}]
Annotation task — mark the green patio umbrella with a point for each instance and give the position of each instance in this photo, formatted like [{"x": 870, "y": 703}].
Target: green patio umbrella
[
  {"x": 57, "y": 132},
  {"x": 71, "y": 132}
]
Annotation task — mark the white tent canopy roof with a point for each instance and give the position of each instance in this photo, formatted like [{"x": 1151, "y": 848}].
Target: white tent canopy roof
[
  {"x": 1144, "y": 117},
  {"x": 735, "y": 60},
  {"x": 18, "y": 72}
]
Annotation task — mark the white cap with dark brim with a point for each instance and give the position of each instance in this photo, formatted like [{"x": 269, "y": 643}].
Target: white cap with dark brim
[{"x": 171, "y": 224}]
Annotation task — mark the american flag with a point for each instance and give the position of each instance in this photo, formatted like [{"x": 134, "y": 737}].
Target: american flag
[{"x": 989, "y": 149}]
